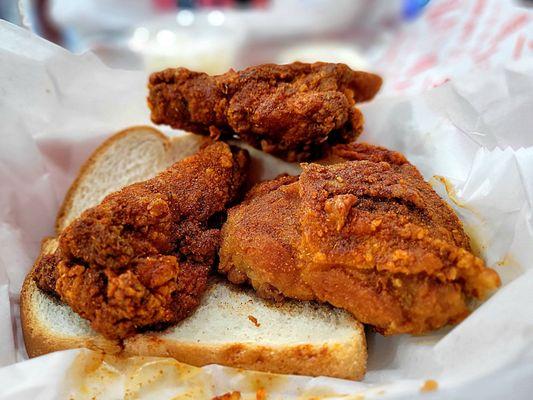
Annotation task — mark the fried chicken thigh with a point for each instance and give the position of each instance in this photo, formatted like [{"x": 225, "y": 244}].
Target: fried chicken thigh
[
  {"x": 294, "y": 111},
  {"x": 141, "y": 258},
  {"x": 368, "y": 235}
]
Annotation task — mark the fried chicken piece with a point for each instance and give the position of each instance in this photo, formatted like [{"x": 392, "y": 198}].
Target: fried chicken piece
[
  {"x": 260, "y": 241},
  {"x": 140, "y": 259},
  {"x": 370, "y": 236},
  {"x": 294, "y": 111}
]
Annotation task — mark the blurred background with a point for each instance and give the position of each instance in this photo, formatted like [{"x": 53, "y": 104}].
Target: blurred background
[
  {"x": 414, "y": 44},
  {"x": 214, "y": 35}
]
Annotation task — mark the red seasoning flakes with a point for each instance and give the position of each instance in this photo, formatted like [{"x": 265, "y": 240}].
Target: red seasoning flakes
[{"x": 254, "y": 321}]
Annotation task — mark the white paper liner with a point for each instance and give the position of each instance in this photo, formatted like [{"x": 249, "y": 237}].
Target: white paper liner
[{"x": 470, "y": 137}]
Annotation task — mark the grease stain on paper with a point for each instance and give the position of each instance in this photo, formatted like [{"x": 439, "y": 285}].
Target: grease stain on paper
[
  {"x": 477, "y": 242},
  {"x": 93, "y": 375}
]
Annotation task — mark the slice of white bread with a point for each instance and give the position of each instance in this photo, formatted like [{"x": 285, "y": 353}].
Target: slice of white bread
[{"x": 231, "y": 327}]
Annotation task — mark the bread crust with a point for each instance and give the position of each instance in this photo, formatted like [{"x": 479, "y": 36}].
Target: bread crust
[
  {"x": 345, "y": 361},
  {"x": 69, "y": 197}
]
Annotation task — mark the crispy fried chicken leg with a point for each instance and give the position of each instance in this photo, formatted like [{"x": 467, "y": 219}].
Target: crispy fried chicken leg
[
  {"x": 140, "y": 259},
  {"x": 293, "y": 111},
  {"x": 370, "y": 236}
]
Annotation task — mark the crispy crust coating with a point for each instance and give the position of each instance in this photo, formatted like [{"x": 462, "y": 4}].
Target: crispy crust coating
[
  {"x": 140, "y": 259},
  {"x": 370, "y": 236},
  {"x": 294, "y": 111},
  {"x": 45, "y": 275}
]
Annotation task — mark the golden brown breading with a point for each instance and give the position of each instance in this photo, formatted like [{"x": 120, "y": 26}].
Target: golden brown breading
[
  {"x": 140, "y": 259},
  {"x": 260, "y": 241},
  {"x": 370, "y": 236},
  {"x": 45, "y": 275},
  {"x": 359, "y": 152},
  {"x": 293, "y": 111}
]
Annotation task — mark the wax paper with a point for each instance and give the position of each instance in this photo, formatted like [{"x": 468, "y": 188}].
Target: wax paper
[{"x": 467, "y": 128}]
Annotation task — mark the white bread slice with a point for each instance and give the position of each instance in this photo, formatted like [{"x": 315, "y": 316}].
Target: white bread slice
[
  {"x": 231, "y": 327},
  {"x": 130, "y": 156}
]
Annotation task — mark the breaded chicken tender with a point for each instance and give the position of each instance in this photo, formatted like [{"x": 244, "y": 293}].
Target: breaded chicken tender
[
  {"x": 294, "y": 111},
  {"x": 366, "y": 234},
  {"x": 140, "y": 259}
]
